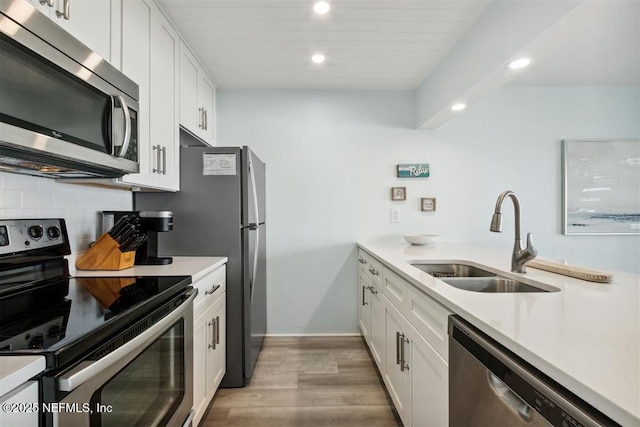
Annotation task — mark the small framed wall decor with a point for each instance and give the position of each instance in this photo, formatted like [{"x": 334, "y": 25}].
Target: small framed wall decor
[
  {"x": 414, "y": 170},
  {"x": 398, "y": 193},
  {"x": 428, "y": 204}
]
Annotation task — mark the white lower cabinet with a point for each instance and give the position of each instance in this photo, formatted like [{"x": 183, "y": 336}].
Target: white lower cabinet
[
  {"x": 406, "y": 333},
  {"x": 429, "y": 404},
  {"x": 209, "y": 340},
  {"x": 371, "y": 310},
  {"x": 24, "y": 396},
  {"x": 364, "y": 308},
  {"x": 397, "y": 377}
]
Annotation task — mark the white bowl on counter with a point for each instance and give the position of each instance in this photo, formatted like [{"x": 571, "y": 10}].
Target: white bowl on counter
[{"x": 420, "y": 239}]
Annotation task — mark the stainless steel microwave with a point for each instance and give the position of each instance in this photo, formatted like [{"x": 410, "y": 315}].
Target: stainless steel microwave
[{"x": 65, "y": 112}]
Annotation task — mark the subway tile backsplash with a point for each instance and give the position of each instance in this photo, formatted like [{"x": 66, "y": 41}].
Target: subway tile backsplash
[{"x": 23, "y": 196}]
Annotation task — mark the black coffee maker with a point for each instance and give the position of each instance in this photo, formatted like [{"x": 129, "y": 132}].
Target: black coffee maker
[{"x": 151, "y": 223}]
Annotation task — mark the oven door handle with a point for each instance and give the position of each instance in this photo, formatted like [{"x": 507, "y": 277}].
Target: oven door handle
[{"x": 86, "y": 370}]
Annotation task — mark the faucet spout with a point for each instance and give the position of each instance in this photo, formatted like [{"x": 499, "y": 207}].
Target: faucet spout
[{"x": 520, "y": 255}]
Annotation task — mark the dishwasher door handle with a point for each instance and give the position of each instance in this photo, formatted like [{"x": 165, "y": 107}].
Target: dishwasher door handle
[{"x": 509, "y": 398}]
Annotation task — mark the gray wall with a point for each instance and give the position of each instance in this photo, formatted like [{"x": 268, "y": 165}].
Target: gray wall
[{"x": 331, "y": 160}]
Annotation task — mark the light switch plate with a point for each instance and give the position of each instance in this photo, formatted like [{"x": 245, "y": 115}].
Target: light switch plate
[{"x": 394, "y": 215}]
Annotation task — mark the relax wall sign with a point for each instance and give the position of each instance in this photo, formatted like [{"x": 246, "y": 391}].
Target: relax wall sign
[{"x": 413, "y": 170}]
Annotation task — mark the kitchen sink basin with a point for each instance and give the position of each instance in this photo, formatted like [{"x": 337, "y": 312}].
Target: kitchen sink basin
[
  {"x": 472, "y": 278},
  {"x": 443, "y": 270},
  {"x": 496, "y": 284}
]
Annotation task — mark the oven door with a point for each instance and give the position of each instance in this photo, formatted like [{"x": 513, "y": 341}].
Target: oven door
[{"x": 145, "y": 382}]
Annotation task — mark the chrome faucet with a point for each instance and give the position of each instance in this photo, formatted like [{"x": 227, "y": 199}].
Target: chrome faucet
[{"x": 520, "y": 255}]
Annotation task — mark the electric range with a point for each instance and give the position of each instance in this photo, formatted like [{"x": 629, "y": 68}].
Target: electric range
[{"x": 77, "y": 322}]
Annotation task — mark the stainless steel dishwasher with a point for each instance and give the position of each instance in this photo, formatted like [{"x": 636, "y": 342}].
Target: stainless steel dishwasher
[{"x": 489, "y": 386}]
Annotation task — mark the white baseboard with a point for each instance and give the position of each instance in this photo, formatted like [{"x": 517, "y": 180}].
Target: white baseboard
[{"x": 315, "y": 335}]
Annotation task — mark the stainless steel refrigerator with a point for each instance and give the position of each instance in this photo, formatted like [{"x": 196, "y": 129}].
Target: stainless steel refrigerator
[{"x": 220, "y": 211}]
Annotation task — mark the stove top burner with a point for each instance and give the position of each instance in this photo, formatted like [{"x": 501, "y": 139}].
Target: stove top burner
[{"x": 64, "y": 317}]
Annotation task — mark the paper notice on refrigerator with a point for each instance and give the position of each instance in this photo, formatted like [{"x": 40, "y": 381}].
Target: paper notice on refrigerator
[{"x": 219, "y": 164}]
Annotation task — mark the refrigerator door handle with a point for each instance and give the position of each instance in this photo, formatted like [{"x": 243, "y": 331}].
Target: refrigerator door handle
[
  {"x": 255, "y": 263},
  {"x": 254, "y": 227}
]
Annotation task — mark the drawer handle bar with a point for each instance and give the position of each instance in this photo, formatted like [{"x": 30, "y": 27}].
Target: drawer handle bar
[{"x": 212, "y": 290}]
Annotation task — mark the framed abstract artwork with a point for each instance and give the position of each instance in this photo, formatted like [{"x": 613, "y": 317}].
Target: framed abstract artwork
[{"x": 601, "y": 188}]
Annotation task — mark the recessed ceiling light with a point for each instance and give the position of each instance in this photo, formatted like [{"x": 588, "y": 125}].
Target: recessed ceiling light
[
  {"x": 321, "y": 7},
  {"x": 519, "y": 63},
  {"x": 318, "y": 58},
  {"x": 458, "y": 107}
]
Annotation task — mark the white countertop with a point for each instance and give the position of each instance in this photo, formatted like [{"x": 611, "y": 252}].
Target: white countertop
[
  {"x": 196, "y": 267},
  {"x": 586, "y": 337},
  {"x": 16, "y": 370}
]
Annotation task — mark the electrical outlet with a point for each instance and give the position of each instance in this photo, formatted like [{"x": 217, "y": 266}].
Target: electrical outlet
[{"x": 395, "y": 215}]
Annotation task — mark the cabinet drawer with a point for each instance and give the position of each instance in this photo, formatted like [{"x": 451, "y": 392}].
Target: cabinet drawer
[
  {"x": 395, "y": 289},
  {"x": 375, "y": 271},
  {"x": 210, "y": 287},
  {"x": 430, "y": 319},
  {"x": 363, "y": 257},
  {"x": 370, "y": 267}
]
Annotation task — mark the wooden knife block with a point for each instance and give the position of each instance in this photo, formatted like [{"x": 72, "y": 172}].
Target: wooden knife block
[{"x": 105, "y": 255}]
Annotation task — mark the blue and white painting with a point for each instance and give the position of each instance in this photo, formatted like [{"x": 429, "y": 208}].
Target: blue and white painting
[{"x": 602, "y": 187}]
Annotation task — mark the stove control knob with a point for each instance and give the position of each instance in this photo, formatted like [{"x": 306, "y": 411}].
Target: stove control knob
[
  {"x": 53, "y": 232},
  {"x": 37, "y": 341},
  {"x": 36, "y": 232}
]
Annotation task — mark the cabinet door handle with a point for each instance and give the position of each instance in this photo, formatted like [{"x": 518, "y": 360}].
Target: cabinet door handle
[
  {"x": 403, "y": 364},
  {"x": 217, "y": 329},
  {"x": 213, "y": 333},
  {"x": 372, "y": 289},
  {"x": 156, "y": 168},
  {"x": 362, "y": 261},
  {"x": 47, "y": 2},
  {"x": 364, "y": 302},
  {"x": 397, "y": 348},
  {"x": 206, "y": 119},
  {"x": 66, "y": 8},
  {"x": 212, "y": 290},
  {"x": 164, "y": 160}
]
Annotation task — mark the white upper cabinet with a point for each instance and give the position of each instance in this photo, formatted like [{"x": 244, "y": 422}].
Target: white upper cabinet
[
  {"x": 150, "y": 49},
  {"x": 197, "y": 98},
  {"x": 90, "y": 21}
]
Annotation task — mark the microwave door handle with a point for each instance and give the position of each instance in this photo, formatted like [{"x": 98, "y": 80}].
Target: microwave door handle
[
  {"x": 111, "y": 149},
  {"x": 127, "y": 127}
]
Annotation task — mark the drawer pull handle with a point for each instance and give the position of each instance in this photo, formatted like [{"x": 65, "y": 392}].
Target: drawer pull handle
[
  {"x": 212, "y": 290},
  {"x": 403, "y": 365},
  {"x": 214, "y": 338}
]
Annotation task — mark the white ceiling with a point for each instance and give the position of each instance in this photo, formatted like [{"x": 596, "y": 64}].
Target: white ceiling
[
  {"x": 369, "y": 44},
  {"x": 392, "y": 44},
  {"x": 597, "y": 44}
]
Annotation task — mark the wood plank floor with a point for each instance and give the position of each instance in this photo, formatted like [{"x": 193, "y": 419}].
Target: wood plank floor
[{"x": 307, "y": 381}]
